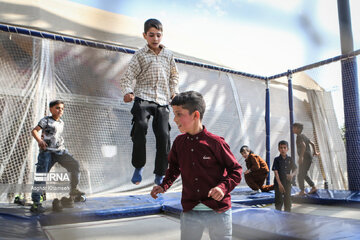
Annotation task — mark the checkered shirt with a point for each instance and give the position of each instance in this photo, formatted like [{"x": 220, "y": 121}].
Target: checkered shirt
[{"x": 156, "y": 76}]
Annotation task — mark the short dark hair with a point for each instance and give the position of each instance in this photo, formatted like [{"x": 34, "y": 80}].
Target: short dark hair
[
  {"x": 55, "y": 102},
  {"x": 299, "y": 126},
  {"x": 245, "y": 148},
  {"x": 283, "y": 142},
  {"x": 190, "y": 100},
  {"x": 152, "y": 22}
]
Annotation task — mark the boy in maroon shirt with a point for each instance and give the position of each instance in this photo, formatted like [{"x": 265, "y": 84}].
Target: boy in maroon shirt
[{"x": 208, "y": 169}]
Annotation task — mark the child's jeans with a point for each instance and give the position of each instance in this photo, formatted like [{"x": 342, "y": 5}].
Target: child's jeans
[
  {"x": 193, "y": 224},
  {"x": 46, "y": 160}
]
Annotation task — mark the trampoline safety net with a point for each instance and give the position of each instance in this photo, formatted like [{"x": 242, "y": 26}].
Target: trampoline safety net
[{"x": 35, "y": 71}]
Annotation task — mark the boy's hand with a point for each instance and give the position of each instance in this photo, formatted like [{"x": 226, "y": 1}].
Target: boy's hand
[
  {"x": 289, "y": 177},
  {"x": 216, "y": 193},
  {"x": 129, "y": 97},
  {"x": 316, "y": 154},
  {"x": 42, "y": 145},
  {"x": 281, "y": 188},
  {"x": 155, "y": 191}
]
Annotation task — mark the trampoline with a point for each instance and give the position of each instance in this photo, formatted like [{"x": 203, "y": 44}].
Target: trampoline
[{"x": 141, "y": 217}]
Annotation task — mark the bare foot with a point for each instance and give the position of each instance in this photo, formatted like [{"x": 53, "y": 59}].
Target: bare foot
[
  {"x": 313, "y": 190},
  {"x": 301, "y": 194}
]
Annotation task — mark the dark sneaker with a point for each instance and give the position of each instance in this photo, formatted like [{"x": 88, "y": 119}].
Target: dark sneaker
[
  {"x": 56, "y": 205},
  {"x": 19, "y": 200},
  {"x": 43, "y": 197},
  {"x": 67, "y": 202},
  {"x": 76, "y": 192},
  {"x": 77, "y": 195},
  {"x": 37, "y": 208}
]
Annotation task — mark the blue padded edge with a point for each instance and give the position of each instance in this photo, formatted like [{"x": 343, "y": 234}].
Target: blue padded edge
[
  {"x": 266, "y": 223},
  {"x": 16, "y": 226},
  {"x": 172, "y": 201},
  {"x": 18, "y": 223},
  {"x": 324, "y": 196},
  {"x": 243, "y": 196},
  {"x": 104, "y": 208}
]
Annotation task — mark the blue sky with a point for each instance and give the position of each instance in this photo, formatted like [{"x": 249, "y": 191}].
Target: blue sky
[{"x": 245, "y": 34}]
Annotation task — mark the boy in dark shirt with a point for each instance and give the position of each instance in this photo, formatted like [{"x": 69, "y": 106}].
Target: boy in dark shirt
[
  {"x": 208, "y": 169},
  {"x": 284, "y": 168}
]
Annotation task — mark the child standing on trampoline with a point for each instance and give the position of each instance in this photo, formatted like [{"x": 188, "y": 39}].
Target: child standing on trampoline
[
  {"x": 52, "y": 150},
  {"x": 284, "y": 168},
  {"x": 209, "y": 172},
  {"x": 154, "y": 70},
  {"x": 305, "y": 158}
]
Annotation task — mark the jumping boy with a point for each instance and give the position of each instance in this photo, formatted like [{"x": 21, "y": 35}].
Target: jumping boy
[
  {"x": 284, "y": 168},
  {"x": 208, "y": 169},
  {"x": 305, "y": 158},
  {"x": 52, "y": 150},
  {"x": 154, "y": 70}
]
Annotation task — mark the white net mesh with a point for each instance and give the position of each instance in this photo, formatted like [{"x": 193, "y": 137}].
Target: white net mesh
[{"x": 97, "y": 122}]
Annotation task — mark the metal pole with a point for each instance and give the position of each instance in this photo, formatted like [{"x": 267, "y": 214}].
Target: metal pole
[
  {"x": 351, "y": 97},
  {"x": 267, "y": 124},
  {"x": 291, "y": 117}
]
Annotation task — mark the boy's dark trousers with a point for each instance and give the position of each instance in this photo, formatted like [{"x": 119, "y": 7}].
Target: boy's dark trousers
[
  {"x": 141, "y": 111},
  {"x": 303, "y": 173},
  {"x": 283, "y": 198},
  {"x": 46, "y": 161}
]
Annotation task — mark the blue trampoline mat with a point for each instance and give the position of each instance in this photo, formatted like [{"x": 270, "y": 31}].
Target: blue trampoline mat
[
  {"x": 267, "y": 223},
  {"x": 324, "y": 196},
  {"x": 14, "y": 226},
  {"x": 19, "y": 223}
]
